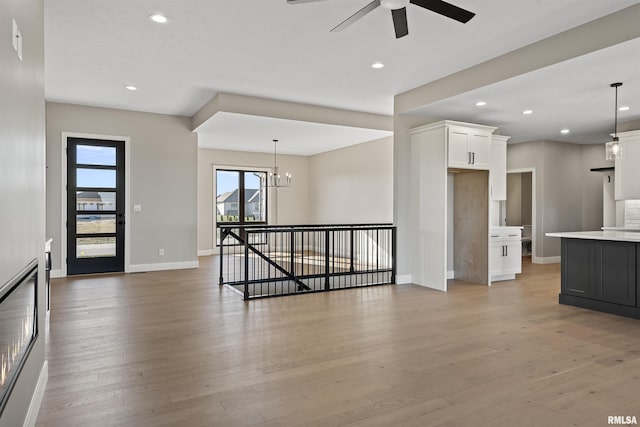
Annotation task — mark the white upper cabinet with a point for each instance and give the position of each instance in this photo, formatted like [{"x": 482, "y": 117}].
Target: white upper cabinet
[
  {"x": 627, "y": 173},
  {"x": 468, "y": 148},
  {"x": 498, "y": 169}
]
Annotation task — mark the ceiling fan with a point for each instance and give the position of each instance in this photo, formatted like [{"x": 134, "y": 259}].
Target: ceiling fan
[{"x": 398, "y": 10}]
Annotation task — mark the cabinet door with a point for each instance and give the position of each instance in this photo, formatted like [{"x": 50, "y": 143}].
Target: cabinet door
[
  {"x": 458, "y": 153},
  {"x": 480, "y": 148},
  {"x": 513, "y": 257},
  {"x": 496, "y": 257},
  {"x": 615, "y": 272},
  {"x": 577, "y": 268},
  {"x": 498, "y": 170},
  {"x": 627, "y": 173}
]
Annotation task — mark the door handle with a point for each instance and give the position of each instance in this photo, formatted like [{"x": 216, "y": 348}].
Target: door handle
[
  {"x": 468, "y": 157},
  {"x": 473, "y": 156}
]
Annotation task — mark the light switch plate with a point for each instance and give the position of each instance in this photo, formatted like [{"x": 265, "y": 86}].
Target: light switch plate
[
  {"x": 19, "y": 45},
  {"x": 14, "y": 36},
  {"x": 137, "y": 208}
]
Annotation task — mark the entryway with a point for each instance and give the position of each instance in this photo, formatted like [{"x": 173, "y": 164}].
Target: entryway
[{"x": 95, "y": 205}]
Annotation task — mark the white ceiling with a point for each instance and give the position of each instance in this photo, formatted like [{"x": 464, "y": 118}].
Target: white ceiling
[
  {"x": 574, "y": 95},
  {"x": 271, "y": 49}
]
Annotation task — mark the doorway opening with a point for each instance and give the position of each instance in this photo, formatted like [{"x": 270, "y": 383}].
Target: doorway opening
[{"x": 519, "y": 208}]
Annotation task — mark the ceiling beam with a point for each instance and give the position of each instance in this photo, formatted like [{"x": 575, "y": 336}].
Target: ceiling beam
[
  {"x": 254, "y": 106},
  {"x": 601, "y": 33}
]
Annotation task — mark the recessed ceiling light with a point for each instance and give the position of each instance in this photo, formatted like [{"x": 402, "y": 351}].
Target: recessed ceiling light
[
  {"x": 624, "y": 108},
  {"x": 377, "y": 65},
  {"x": 160, "y": 19},
  {"x": 131, "y": 87},
  {"x": 565, "y": 131},
  {"x": 527, "y": 112},
  {"x": 481, "y": 104}
]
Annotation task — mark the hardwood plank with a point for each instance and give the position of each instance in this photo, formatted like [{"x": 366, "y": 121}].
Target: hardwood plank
[{"x": 175, "y": 349}]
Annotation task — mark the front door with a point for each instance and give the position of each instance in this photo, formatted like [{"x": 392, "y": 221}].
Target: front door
[{"x": 95, "y": 206}]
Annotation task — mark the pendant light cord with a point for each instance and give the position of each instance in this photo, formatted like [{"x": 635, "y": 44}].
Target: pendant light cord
[{"x": 615, "y": 127}]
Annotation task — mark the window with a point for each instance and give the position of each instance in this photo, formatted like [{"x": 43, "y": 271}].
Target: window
[{"x": 241, "y": 197}]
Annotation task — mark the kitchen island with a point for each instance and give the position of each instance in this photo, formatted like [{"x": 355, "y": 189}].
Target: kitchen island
[{"x": 599, "y": 270}]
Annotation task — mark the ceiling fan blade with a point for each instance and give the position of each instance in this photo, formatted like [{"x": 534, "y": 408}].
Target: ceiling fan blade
[
  {"x": 356, "y": 16},
  {"x": 400, "y": 22},
  {"x": 302, "y": 1},
  {"x": 447, "y": 9}
]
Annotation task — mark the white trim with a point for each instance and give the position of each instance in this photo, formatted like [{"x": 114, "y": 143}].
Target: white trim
[
  {"x": 206, "y": 252},
  {"x": 36, "y": 398},
  {"x": 451, "y": 274},
  {"x": 127, "y": 195},
  {"x": 141, "y": 268},
  {"x": 56, "y": 274},
  {"x": 546, "y": 260},
  {"x": 404, "y": 279}
]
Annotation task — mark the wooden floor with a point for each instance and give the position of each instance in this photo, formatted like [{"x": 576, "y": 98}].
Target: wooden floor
[{"x": 174, "y": 349}]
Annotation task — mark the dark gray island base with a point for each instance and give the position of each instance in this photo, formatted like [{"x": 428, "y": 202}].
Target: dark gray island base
[{"x": 600, "y": 274}]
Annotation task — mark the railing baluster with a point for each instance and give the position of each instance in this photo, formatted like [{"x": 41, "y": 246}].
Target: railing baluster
[{"x": 327, "y": 285}]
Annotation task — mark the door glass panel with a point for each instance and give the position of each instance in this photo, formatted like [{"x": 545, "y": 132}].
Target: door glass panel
[
  {"x": 93, "y": 247},
  {"x": 95, "y": 155},
  {"x": 86, "y": 224},
  {"x": 95, "y": 200},
  {"x": 227, "y": 191},
  {"x": 92, "y": 178},
  {"x": 255, "y": 196}
]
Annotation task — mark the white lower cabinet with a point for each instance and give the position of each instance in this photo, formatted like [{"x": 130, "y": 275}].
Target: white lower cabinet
[{"x": 506, "y": 253}]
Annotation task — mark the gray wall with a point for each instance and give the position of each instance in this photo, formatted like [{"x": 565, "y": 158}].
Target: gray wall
[
  {"x": 163, "y": 178},
  {"x": 569, "y": 196},
  {"x": 353, "y": 184},
  {"x": 22, "y": 177}
]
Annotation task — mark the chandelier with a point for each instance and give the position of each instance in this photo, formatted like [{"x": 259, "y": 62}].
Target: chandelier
[{"x": 274, "y": 179}]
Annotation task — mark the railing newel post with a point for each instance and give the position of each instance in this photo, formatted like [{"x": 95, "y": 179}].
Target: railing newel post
[{"x": 394, "y": 249}]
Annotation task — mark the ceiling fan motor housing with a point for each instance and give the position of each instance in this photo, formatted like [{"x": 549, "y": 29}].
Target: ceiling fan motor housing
[{"x": 394, "y": 4}]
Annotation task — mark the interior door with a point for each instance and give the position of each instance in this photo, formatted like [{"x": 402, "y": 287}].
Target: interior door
[{"x": 95, "y": 206}]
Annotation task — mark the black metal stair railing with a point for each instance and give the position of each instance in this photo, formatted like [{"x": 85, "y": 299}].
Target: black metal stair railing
[{"x": 262, "y": 261}]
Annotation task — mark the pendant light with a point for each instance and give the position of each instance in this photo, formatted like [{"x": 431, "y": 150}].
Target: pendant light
[
  {"x": 274, "y": 180},
  {"x": 613, "y": 148}
]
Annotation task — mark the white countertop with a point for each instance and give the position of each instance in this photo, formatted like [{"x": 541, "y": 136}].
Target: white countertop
[
  {"x": 621, "y": 236},
  {"x": 506, "y": 227}
]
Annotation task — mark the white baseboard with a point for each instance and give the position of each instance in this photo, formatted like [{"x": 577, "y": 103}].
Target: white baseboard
[
  {"x": 500, "y": 277},
  {"x": 451, "y": 274},
  {"x": 141, "y": 268},
  {"x": 546, "y": 260},
  {"x": 403, "y": 279},
  {"x": 207, "y": 252},
  {"x": 56, "y": 274},
  {"x": 36, "y": 398}
]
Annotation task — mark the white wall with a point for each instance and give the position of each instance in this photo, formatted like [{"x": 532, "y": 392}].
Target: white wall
[
  {"x": 353, "y": 185},
  {"x": 22, "y": 177},
  {"x": 292, "y": 203},
  {"x": 163, "y": 180}
]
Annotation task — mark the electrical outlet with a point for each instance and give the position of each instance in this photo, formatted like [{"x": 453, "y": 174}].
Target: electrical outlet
[{"x": 161, "y": 252}]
